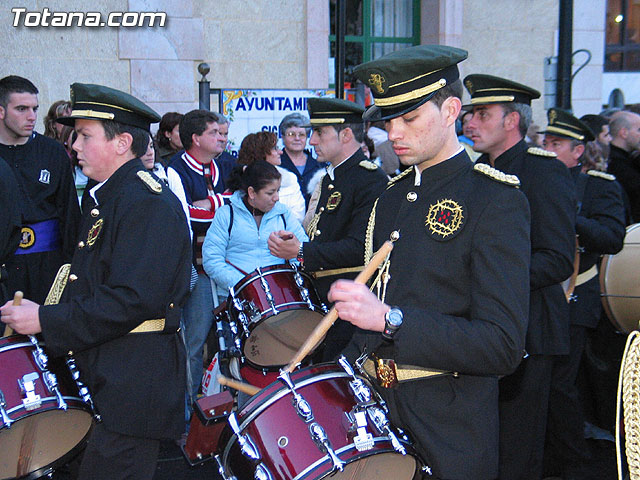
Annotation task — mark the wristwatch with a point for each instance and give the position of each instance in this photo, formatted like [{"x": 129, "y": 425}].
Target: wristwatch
[
  {"x": 392, "y": 323},
  {"x": 300, "y": 256}
]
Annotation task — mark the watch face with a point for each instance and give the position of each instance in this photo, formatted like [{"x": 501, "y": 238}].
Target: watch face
[{"x": 394, "y": 317}]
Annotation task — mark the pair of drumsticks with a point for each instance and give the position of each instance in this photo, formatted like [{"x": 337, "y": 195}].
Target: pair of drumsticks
[{"x": 321, "y": 329}]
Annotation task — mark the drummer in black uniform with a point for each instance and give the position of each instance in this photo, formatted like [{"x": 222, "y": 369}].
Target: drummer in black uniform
[
  {"x": 348, "y": 190},
  {"x": 451, "y": 310},
  {"x": 120, "y": 310},
  {"x": 46, "y": 192},
  {"x": 600, "y": 226},
  {"x": 501, "y": 117}
]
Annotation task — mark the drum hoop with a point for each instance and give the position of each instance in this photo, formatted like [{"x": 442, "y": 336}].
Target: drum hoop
[
  {"x": 279, "y": 394},
  {"x": 289, "y": 304},
  {"x": 254, "y": 276},
  {"x": 71, "y": 400},
  {"x": 346, "y": 448},
  {"x": 13, "y": 346}
]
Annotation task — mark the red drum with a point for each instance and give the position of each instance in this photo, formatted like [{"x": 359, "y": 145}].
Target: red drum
[
  {"x": 207, "y": 422},
  {"x": 44, "y": 419},
  {"x": 323, "y": 421},
  {"x": 274, "y": 310}
]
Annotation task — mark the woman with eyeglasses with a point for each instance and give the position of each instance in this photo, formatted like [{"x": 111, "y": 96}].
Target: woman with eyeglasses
[
  {"x": 264, "y": 146},
  {"x": 294, "y": 130}
]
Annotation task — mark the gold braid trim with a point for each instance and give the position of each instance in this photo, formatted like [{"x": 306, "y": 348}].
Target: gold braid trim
[
  {"x": 57, "y": 287},
  {"x": 313, "y": 225},
  {"x": 368, "y": 237},
  {"x": 629, "y": 392},
  {"x": 399, "y": 176}
]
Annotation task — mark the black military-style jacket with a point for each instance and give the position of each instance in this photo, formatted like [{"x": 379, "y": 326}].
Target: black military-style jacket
[
  {"x": 600, "y": 226},
  {"x": 131, "y": 264},
  {"x": 10, "y": 222},
  {"x": 627, "y": 172},
  {"x": 551, "y": 193},
  {"x": 459, "y": 271},
  {"x": 345, "y": 204},
  {"x": 47, "y": 191}
]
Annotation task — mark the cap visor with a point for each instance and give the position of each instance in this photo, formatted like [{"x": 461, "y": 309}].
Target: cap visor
[{"x": 375, "y": 113}]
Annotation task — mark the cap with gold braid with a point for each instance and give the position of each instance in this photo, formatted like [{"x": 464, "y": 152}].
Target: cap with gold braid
[
  {"x": 486, "y": 89},
  {"x": 563, "y": 124},
  {"x": 403, "y": 80},
  {"x": 333, "y": 111},
  {"x": 97, "y": 102}
]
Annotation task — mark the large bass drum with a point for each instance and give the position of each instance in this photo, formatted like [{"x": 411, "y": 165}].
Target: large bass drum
[
  {"x": 620, "y": 283},
  {"x": 45, "y": 412},
  {"x": 325, "y": 423}
]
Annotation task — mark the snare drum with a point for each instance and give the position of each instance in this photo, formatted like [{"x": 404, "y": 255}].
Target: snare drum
[
  {"x": 44, "y": 419},
  {"x": 274, "y": 310},
  {"x": 326, "y": 421}
]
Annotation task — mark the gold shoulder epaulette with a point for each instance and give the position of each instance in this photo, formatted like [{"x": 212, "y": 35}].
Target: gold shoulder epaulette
[
  {"x": 151, "y": 183},
  {"x": 497, "y": 175},
  {"x": 541, "y": 152},
  {"x": 599, "y": 174},
  {"x": 368, "y": 165},
  {"x": 400, "y": 176}
]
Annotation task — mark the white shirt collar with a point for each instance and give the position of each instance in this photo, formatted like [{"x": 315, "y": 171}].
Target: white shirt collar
[
  {"x": 331, "y": 169},
  {"x": 94, "y": 189},
  {"x": 418, "y": 176}
]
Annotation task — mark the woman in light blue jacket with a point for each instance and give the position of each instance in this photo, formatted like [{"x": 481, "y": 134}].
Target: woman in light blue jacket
[{"x": 236, "y": 242}]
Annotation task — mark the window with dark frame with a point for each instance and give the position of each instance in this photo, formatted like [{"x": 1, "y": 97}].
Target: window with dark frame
[
  {"x": 374, "y": 28},
  {"x": 622, "y": 36}
]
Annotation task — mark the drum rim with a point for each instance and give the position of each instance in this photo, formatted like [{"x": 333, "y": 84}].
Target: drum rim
[
  {"x": 54, "y": 401},
  {"x": 268, "y": 270}
]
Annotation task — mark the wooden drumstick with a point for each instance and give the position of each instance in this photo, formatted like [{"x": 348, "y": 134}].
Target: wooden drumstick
[
  {"x": 329, "y": 319},
  {"x": 17, "y": 300},
  {"x": 236, "y": 385}
]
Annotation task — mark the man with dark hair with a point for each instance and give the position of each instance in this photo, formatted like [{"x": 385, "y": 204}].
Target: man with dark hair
[
  {"x": 203, "y": 179},
  {"x": 120, "y": 310},
  {"x": 347, "y": 193},
  {"x": 600, "y": 228},
  {"x": 451, "y": 307},
  {"x": 625, "y": 134},
  {"x": 599, "y": 125},
  {"x": 47, "y": 194},
  {"x": 501, "y": 117}
]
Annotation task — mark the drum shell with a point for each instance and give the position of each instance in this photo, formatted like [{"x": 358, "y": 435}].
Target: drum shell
[
  {"x": 47, "y": 433},
  {"x": 284, "y": 441},
  {"x": 620, "y": 283}
]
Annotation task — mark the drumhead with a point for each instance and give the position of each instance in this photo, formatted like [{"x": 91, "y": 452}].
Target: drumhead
[
  {"x": 380, "y": 466},
  {"x": 37, "y": 441},
  {"x": 276, "y": 340},
  {"x": 620, "y": 283}
]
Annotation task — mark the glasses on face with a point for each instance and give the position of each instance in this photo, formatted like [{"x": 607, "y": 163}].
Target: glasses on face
[{"x": 296, "y": 134}]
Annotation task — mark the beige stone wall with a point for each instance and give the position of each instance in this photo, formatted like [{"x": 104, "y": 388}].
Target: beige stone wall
[
  {"x": 511, "y": 38},
  {"x": 247, "y": 43}
]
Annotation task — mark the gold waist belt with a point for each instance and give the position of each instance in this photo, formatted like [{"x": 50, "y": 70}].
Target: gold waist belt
[
  {"x": 587, "y": 275},
  {"x": 336, "y": 271},
  {"x": 389, "y": 374},
  {"x": 150, "y": 326}
]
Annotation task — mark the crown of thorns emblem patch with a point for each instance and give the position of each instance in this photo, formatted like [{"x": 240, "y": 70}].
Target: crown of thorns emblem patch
[{"x": 444, "y": 219}]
